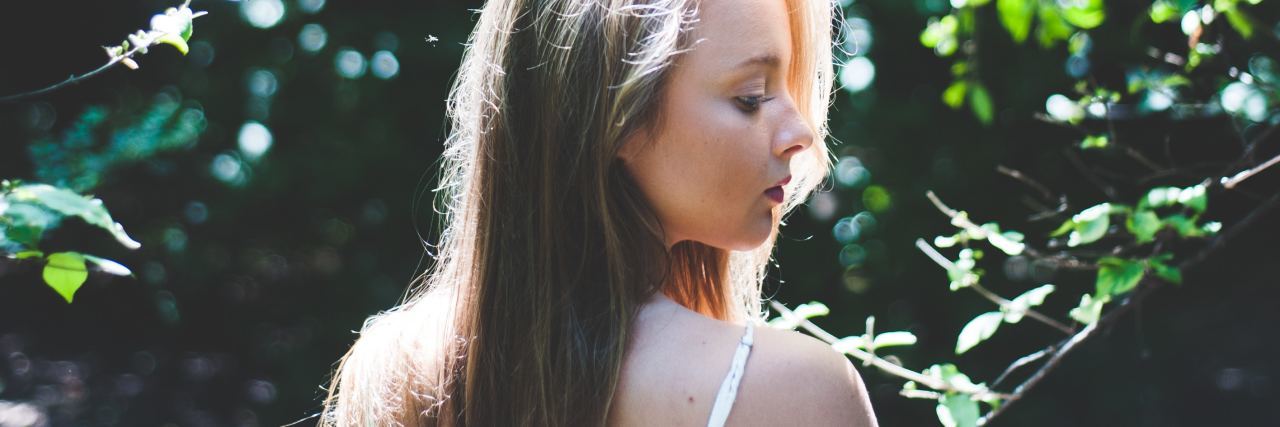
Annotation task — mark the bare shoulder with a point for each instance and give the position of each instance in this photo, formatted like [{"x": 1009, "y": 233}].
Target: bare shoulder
[{"x": 818, "y": 386}]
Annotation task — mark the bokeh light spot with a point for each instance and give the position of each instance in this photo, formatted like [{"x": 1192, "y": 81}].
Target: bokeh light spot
[
  {"x": 876, "y": 199},
  {"x": 255, "y": 139},
  {"x": 228, "y": 169},
  {"x": 857, "y": 74},
  {"x": 823, "y": 205},
  {"x": 196, "y": 212},
  {"x": 262, "y": 83},
  {"x": 845, "y": 231},
  {"x": 851, "y": 173},
  {"x": 262, "y": 13},
  {"x": 384, "y": 65},
  {"x": 853, "y": 255},
  {"x": 865, "y": 221},
  {"x": 312, "y": 37},
  {"x": 311, "y": 6},
  {"x": 349, "y": 63},
  {"x": 1061, "y": 108}
]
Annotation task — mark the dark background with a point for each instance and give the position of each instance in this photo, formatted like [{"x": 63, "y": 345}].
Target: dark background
[{"x": 254, "y": 272}]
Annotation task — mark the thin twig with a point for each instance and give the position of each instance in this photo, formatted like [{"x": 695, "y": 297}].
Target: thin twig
[
  {"x": 69, "y": 81},
  {"x": 1234, "y": 180},
  {"x": 990, "y": 296},
  {"x": 1030, "y": 312},
  {"x": 1252, "y": 147},
  {"x": 1140, "y": 158},
  {"x": 1015, "y": 174},
  {"x": 1022, "y": 361},
  {"x": 882, "y": 364},
  {"x": 937, "y": 257},
  {"x": 920, "y": 394},
  {"x": 1093, "y": 178},
  {"x": 73, "y": 79}
]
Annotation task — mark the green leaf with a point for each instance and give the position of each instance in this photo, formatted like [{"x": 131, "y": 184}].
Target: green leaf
[
  {"x": 109, "y": 266},
  {"x": 1090, "y": 225},
  {"x": 28, "y": 254},
  {"x": 957, "y": 410},
  {"x": 1186, "y": 227},
  {"x": 174, "y": 40},
  {"x": 1240, "y": 22},
  {"x": 949, "y": 374},
  {"x": 1094, "y": 142},
  {"x": 940, "y": 35},
  {"x": 1086, "y": 16},
  {"x": 1009, "y": 242},
  {"x": 981, "y": 103},
  {"x": 1144, "y": 224},
  {"x": 1089, "y": 309},
  {"x": 1066, "y": 226},
  {"x": 1163, "y": 11},
  {"x": 1160, "y": 197},
  {"x": 850, "y": 343},
  {"x": 65, "y": 272},
  {"x": 1165, "y": 271},
  {"x": 954, "y": 95},
  {"x": 1015, "y": 309},
  {"x": 887, "y": 339},
  {"x": 894, "y": 339},
  {"x": 1052, "y": 28},
  {"x": 1194, "y": 197},
  {"x": 69, "y": 203},
  {"x": 25, "y": 223},
  {"x": 802, "y": 312},
  {"x": 811, "y": 310},
  {"x": 1117, "y": 275},
  {"x": 1016, "y": 16},
  {"x": 978, "y": 330}
]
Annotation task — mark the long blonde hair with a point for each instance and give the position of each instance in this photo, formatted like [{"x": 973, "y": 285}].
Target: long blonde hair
[{"x": 548, "y": 248}]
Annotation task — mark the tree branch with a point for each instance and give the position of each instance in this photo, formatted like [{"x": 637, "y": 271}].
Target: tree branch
[
  {"x": 1234, "y": 180},
  {"x": 882, "y": 364},
  {"x": 991, "y": 296},
  {"x": 1145, "y": 288}
]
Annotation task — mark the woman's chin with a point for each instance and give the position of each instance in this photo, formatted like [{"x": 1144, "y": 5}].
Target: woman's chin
[{"x": 748, "y": 240}]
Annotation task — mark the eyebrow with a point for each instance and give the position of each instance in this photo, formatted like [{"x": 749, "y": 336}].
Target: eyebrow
[{"x": 769, "y": 59}]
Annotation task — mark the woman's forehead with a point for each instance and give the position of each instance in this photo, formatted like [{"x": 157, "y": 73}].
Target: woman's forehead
[{"x": 732, "y": 34}]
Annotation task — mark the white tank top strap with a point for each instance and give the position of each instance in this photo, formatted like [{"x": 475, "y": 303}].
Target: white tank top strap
[{"x": 729, "y": 388}]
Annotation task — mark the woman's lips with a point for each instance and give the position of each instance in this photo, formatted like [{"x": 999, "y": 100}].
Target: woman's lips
[{"x": 775, "y": 194}]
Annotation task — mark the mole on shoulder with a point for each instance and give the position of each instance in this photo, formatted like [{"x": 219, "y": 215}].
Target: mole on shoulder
[{"x": 690, "y": 399}]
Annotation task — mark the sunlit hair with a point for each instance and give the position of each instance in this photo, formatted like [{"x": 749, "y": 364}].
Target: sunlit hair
[{"x": 548, "y": 247}]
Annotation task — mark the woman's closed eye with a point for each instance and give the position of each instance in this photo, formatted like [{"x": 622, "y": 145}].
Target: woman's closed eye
[{"x": 751, "y": 104}]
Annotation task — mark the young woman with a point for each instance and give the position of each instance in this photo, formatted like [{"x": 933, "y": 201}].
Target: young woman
[{"x": 612, "y": 187}]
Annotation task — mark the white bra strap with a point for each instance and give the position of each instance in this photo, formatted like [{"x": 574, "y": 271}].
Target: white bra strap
[{"x": 729, "y": 388}]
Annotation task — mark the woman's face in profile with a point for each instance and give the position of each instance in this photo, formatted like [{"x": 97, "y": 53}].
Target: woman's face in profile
[{"x": 729, "y": 128}]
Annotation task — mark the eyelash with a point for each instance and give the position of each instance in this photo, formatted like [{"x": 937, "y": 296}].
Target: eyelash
[{"x": 751, "y": 104}]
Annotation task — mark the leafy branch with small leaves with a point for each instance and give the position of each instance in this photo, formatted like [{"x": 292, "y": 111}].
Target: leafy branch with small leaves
[
  {"x": 29, "y": 211},
  {"x": 173, "y": 27},
  {"x": 1132, "y": 246}
]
